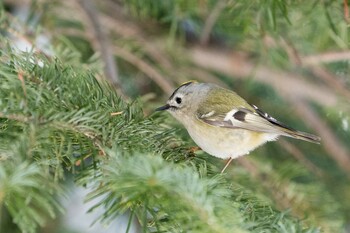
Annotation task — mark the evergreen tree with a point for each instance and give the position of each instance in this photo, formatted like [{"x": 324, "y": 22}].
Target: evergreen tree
[{"x": 68, "y": 112}]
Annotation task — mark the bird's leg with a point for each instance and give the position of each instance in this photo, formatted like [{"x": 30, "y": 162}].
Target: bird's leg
[{"x": 226, "y": 165}]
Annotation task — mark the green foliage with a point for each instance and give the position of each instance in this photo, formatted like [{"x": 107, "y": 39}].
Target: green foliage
[
  {"x": 23, "y": 195},
  {"x": 200, "y": 201},
  {"x": 59, "y": 118}
]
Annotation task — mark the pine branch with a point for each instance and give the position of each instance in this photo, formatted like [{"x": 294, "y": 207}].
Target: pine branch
[
  {"x": 127, "y": 180},
  {"x": 23, "y": 195},
  {"x": 58, "y": 117},
  {"x": 75, "y": 128}
]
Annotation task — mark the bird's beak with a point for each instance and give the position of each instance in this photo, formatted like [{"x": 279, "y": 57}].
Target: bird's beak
[{"x": 165, "y": 107}]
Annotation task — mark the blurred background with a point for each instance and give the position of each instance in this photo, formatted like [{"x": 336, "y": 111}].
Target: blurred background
[{"x": 289, "y": 57}]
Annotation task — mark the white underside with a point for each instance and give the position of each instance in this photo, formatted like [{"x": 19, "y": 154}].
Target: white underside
[{"x": 226, "y": 143}]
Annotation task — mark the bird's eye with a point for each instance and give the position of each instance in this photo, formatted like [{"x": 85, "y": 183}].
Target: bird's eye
[{"x": 178, "y": 100}]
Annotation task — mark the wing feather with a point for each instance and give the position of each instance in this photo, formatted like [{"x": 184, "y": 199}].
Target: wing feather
[
  {"x": 220, "y": 110},
  {"x": 243, "y": 118}
]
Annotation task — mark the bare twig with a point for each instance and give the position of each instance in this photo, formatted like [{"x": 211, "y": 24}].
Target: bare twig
[
  {"x": 293, "y": 150},
  {"x": 20, "y": 77},
  {"x": 125, "y": 27},
  {"x": 277, "y": 191},
  {"x": 15, "y": 117},
  {"x": 331, "y": 80},
  {"x": 116, "y": 113},
  {"x": 327, "y": 57},
  {"x": 310, "y": 60},
  {"x": 249, "y": 166},
  {"x": 128, "y": 29},
  {"x": 331, "y": 143},
  {"x": 210, "y": 21},
  {"x": 17, "y": 2},
  {"x": 204, "y": 76},
  {"x": 346, "y": 11},
  {"x": 146, "y": 68},
  {"x": 110, "y": 68},
  {"x": 317, "y": 70},
  {"x": 286, "y": 83},
  {"x": 293, "y": 54}
]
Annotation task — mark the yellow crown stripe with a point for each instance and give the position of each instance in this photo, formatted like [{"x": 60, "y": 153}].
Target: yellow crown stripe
[{"x": 188, "y": 82}]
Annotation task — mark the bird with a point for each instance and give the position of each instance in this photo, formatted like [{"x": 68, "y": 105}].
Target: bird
[{"x": 222, "y": 123}]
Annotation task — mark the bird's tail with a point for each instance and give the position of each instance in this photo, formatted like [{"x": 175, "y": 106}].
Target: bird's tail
[
  {"x": 287, "y": 131},
  {"x": 302, "y": 136}
]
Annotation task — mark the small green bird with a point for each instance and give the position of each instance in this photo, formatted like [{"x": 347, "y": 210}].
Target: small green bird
[{"x": 222, "y": 123}]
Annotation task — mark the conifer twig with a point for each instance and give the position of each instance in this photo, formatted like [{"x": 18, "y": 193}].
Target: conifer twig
[{"x": 26, "y": 119}]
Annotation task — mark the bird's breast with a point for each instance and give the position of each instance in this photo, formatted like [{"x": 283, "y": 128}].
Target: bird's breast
[{"x": 225, "y": 142}]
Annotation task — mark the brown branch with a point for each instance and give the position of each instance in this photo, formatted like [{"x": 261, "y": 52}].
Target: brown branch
[
  {"x": 23, "y": 85},
  {"x": 17, "y": 3},
  {"x": 287, "y": 84},
  {"x": 210, "y": 21},
  {"x": 327, "y": 57},
  {"x": 110, "y": 68},
  {"x": 146, "y": 68},
  {"x": 278, "y": 192},
  {"x": 317, "y": 70},
  {"x": 124, "y": 26},
  {"x": 292, "y": 52},
  {"x": 346, "y": 11},
  {"x": 15, "y": 117},
  {"x": 330, "y": 142},
  {"x": 127, "y": 28},
  {"x": 293, "y": 150},
  {"x": 278, "y": 189},
  {"x": 204, "y": 76},
  {"x": 70, "y": 32},
  {"x": 310, "y": 60},
  {"x": 331, "y": 80}
]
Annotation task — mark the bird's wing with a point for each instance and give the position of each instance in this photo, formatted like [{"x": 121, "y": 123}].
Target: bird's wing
[
  {"x": 229, "y": 110},
  {"x": 243, "y": 118}
]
